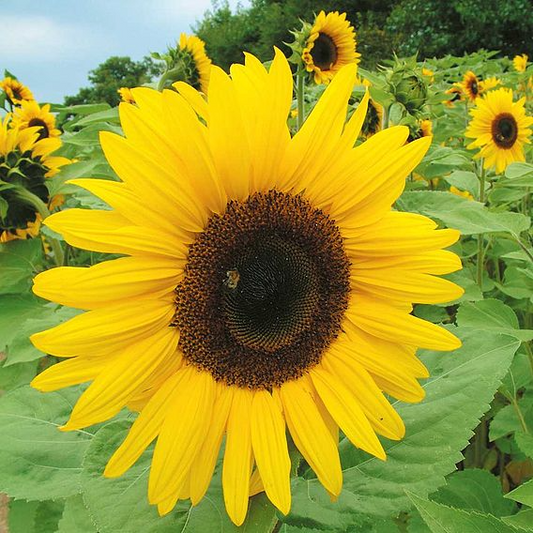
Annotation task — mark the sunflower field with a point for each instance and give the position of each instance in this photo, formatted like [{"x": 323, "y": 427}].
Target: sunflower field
[{"x": 295, "y": 296}]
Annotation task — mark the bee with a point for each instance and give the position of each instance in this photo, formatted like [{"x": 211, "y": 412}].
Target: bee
[{"x": 232, "y": 279}]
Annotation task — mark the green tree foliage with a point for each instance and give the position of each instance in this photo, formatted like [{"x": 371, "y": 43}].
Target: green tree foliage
[
  {"x": 429, "y": 27},
  {"x": 111, "y": 75},
  {"x": 268, "y": 22},
  {"x": 436, "y": 28}
]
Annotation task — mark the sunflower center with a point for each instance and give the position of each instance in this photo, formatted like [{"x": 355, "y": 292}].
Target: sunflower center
[
  {"x": 44, "y": 133},
  {"x": 324, "y": 52},
  {"x": 504, "y": 130},
  {"x": 264, "y": 292},
  {"x": 474, "y": 87}
]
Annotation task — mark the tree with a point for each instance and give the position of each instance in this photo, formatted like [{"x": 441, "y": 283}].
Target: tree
[{"x": 111, "y": 75}]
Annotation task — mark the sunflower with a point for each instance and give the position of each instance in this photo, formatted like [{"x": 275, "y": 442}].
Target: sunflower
[
  {"x": 520, "y": 62},
  {"x": 25, "y": 163},
  {"x": 267, "y": 285},
  {"x": 500, "y": 128},
  {"x": 126, "y": 95},
  {"x": 329, "y": 46},
  {"x": 31, "y": 115},
  {"x": 470, "y": 86},
  {"x": 15, "y": 91},
  {"x": 455, "y": 92},
  {"x": 200, "y": 64}
]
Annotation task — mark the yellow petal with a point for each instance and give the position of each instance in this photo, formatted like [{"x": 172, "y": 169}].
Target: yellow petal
[
  {"x": 109, "y": 283},
  {"x": 109, "y": 232},
  {"x": 398, "y": 234},
  {"x": 346, "y": 411},
  {"x": 182, "y": 433},
  {"x": 270, "y": 450},
  {"x": 70, "y": 372},
  {"x": 392, "y": 324},
  {"x": 314, "y": 145},
  {"x": 204, "y": 465},
  {"x": 105, "y": 330},
  {"x": 310, "y": 433},
  {"x": 194, "y": 99},
  {"x": 237, "y": 465},
  {"x": 399, "y": 284},
  {"x": 130, "y": 205},
  {"x": 145, "y": 428},
  {"x": 112, "y": 389},
  {"x": 377, "y": 409}
]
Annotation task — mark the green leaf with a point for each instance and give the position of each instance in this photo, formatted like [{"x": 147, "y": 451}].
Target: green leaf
[
  {"x": 525, "y": 442},
  {"x": 76, "y": 517},
  {"x": 15, "y": 376},
  {"x": 20, "y": 348},
  {"x": 464, "y": 180},
  {"x": 469, "y": 217},
  {"x": 121, "y": 504},
  {"x": 523, "y": 520},
  {"x": 19, "y": 260},
  {"x": 518, "y": 170},
  {"x": 493, "y": 315},
  {"x": 39, "y": 462},
  {"x": 15, "y": 309},
  {"x": 462, "y": 385},
  {"x": 476, "y": 490},
  {"x": 443, "y": 519},
  {"x": 523, "y": 494}
]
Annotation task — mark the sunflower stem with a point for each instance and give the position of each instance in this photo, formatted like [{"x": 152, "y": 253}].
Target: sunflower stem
[
  {"x": 480, "y": 254},
  {"x": 43, "y": 210},
  {"x": 300, "y": 93}
]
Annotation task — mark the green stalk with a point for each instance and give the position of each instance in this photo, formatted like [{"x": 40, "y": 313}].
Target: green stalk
[
  {"x": 520, "y": 416},
  {"x": 480, "y": 254},
  {"x": 300, "y": 85},
  {"x": 42, "y": 209}
]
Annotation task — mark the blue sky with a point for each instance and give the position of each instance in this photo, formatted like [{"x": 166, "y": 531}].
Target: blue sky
[{"x": 51, "y": 45}]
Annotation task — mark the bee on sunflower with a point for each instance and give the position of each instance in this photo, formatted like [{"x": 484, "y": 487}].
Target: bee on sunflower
[
  {"x": 273, "y": 292},
  {"x": 25, "y": 164},
  {"x": 328, "y": 45},
  {"x": 500, "y": 127},
  {"x": 15, "y": 91}
]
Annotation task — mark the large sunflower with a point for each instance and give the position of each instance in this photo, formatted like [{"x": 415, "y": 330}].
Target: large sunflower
[
  {"x": 16, "y": 92},
  {"x": 267, "y": 285},
  {"x": 500, "y": 128},
  {"x": 329, "y": 46},
  {"x": 200, "y": 65},
  {"x": 31, "y": 115}
]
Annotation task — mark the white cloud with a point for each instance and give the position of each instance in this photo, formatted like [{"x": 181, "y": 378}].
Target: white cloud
[{"x": 38, "y": 38}]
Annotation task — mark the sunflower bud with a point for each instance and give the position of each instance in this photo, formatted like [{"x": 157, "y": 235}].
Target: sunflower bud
[{"x": 408, "y": 87}]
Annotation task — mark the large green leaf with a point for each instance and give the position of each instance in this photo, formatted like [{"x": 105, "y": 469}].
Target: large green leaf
[
  {"x": 523, "y": 494},
  {"x": 443, "y": 519},
  {"x": 476, "y": 490},
  {"x": 492, "y": 315},
  {"x": 39, "y": 462},
  {"x": 121, "y": 504},
  {"x": 462, "y": 385},
  {"x": 468, "y": 217}
]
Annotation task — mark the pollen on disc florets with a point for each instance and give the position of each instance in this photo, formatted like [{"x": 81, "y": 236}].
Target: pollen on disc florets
[{"x": 264, "y": 292}]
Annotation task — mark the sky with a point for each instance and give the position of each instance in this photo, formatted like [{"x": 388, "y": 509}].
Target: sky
[{"x": 50, "y": 45}]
